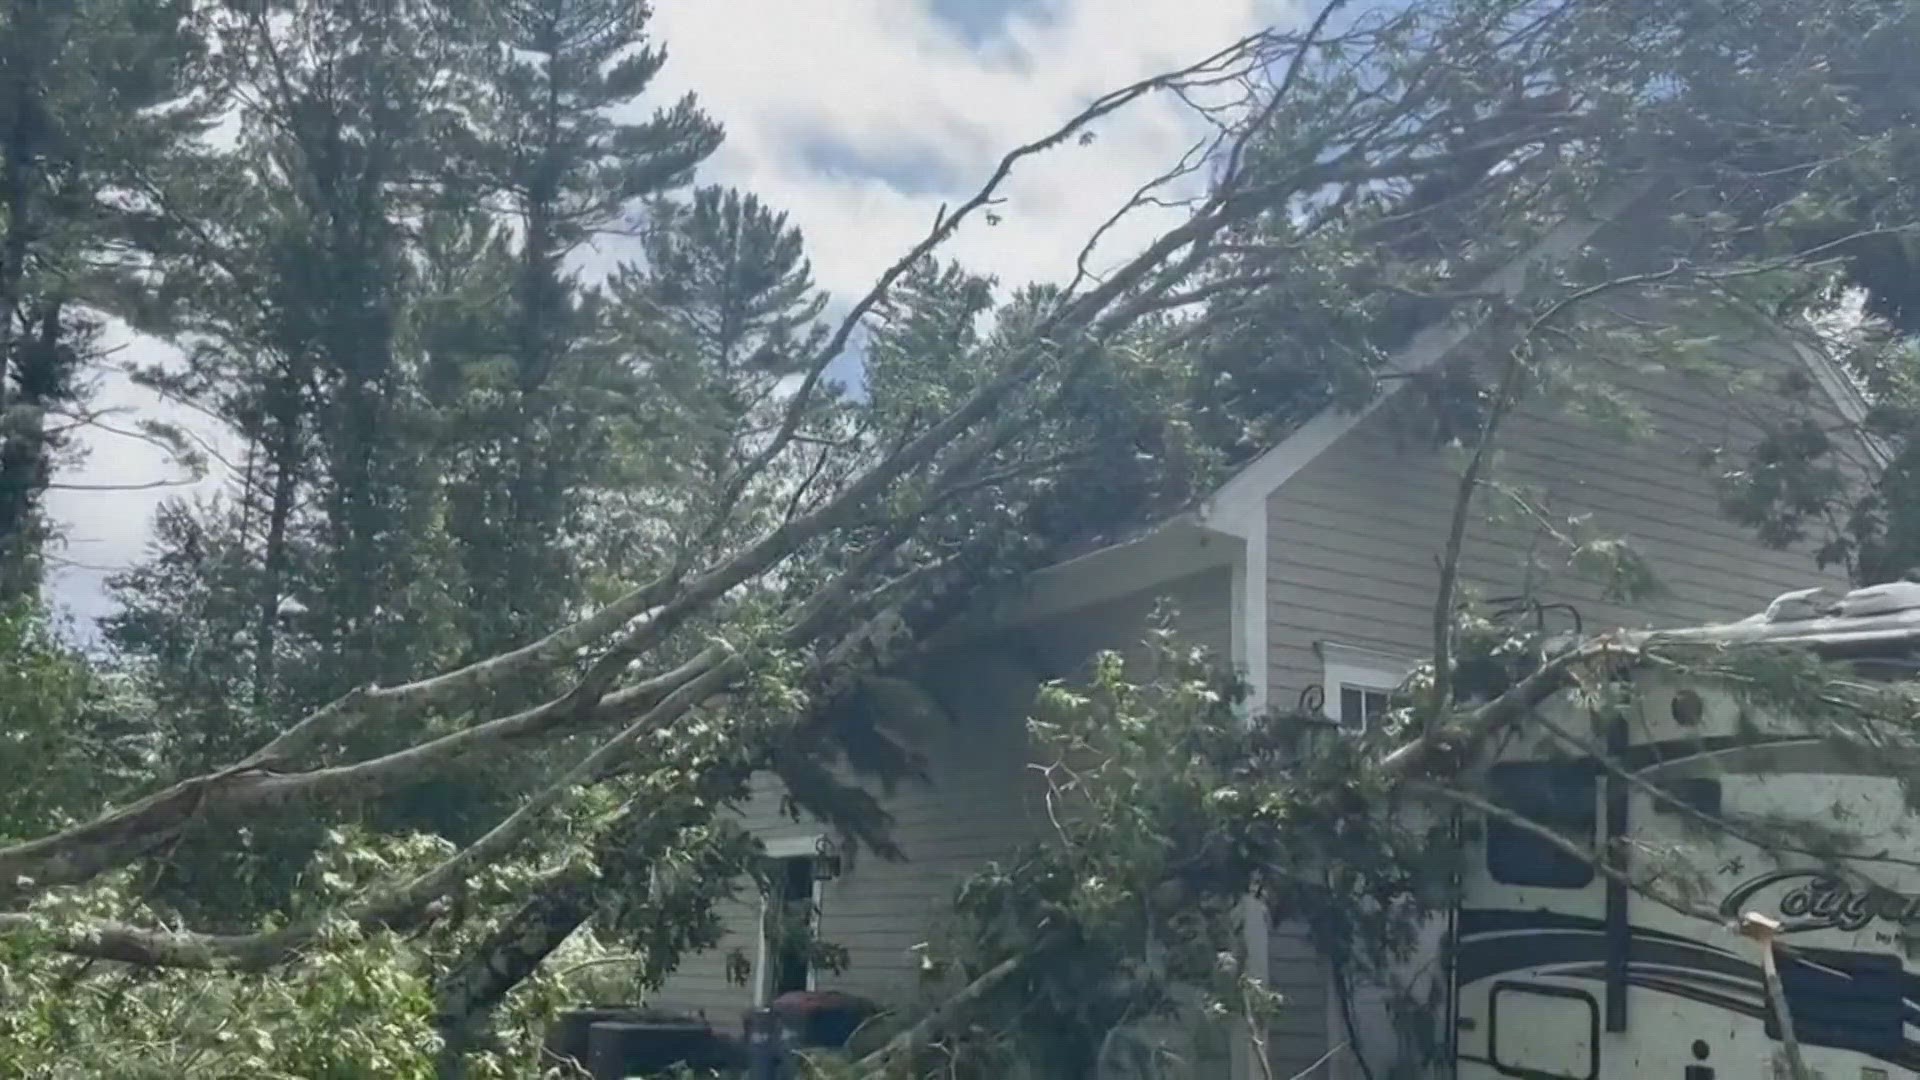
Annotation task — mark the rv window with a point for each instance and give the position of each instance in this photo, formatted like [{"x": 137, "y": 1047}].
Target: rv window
[
  {"x": 1700, "y": 794},
  {"x": 1560, "y": 797}
]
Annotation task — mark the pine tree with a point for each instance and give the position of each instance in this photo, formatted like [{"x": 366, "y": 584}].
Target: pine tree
[
  {"x": 376, "y": 292},
  {"x": 721, "y": 311},
  {"x": 540, "y": 398},
  {"x": 288, "y": 269},
  {"x": 95, "y": 95}
]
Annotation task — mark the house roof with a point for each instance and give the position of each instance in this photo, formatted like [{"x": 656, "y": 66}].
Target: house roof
[
  {"x": 1244, "y": 497},
  {"x": 1189, "y": 541},
  {"x": 1177, "y": 544}
]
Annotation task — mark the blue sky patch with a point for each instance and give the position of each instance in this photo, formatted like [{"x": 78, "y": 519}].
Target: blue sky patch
[
  {"x": 979, "y": 22},
  {"x": 909, "y": 169}
]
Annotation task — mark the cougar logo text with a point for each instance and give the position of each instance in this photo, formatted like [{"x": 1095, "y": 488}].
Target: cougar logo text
[{"x": 1814, "y": 900}]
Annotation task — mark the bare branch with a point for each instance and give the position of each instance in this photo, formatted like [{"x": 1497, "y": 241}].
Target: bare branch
[
  {"x": 945, "y": 225},
  {"x": 123, "y": 835},
  {"x": 139, "y": 485},
  {"x": 930, "y": 1025},
  {"x": 1504, "y": 401},
  {"x": 1469, "y": 484},
  {"x": 1287, "y": 81},
  {"x": 451, "y": 688},
  {"x": 1189, "y": 163}
]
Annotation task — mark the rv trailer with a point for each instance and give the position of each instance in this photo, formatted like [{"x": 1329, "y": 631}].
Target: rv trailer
[{"x": 1562, "y": 973}]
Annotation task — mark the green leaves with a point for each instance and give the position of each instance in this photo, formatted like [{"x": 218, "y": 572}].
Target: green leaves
[
  {"x": 456, "y": 440},
  {"x": 1167, "y": 809},
  {"x": 69, "y": 740}
]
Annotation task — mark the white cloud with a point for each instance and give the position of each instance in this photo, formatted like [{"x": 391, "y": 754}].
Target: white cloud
[
  {"x": 105, "y": 526},
  {"x": 881, "y": 76},
  {"x": 885, "y": 83}
]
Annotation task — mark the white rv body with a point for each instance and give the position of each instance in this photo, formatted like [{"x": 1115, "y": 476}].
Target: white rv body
[
  {"x": 1557, "y": 972},
  {"x": 1561, "y": 972}
]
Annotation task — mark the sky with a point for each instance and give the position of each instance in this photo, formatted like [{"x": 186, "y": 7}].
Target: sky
[{"x": 860, "y": 118}]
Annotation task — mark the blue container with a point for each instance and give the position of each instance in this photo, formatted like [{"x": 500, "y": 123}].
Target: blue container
[{"x": 769, "y": 1056}]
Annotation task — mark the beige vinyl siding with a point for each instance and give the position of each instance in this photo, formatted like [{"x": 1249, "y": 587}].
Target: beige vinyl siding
[
  {"x": 700, "y": 984},
  {"x": 1295, "y": 970},
  {"x": 1355, "y": 538},
  {"x": 980, "y": 804}
]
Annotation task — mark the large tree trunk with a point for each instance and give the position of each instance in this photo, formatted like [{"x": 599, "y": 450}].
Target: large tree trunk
[
  {"x": 467, "y": 996},
  {"x": 274, "y": 556},
  {"x": 17, "y": 546},
  {"x": 40, "y": 369}
]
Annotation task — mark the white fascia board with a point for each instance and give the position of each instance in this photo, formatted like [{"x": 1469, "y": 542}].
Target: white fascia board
[{"x": 1178, "y": 548}]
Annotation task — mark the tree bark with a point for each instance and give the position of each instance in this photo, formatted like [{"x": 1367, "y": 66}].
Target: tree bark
[
  {"x": 16, "y": 188},
  {"x": 467, "y": 995},
  {"x": 274, "y": 556},
  {"x": 38, "y": 362}
]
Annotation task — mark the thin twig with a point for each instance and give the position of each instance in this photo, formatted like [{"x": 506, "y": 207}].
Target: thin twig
[{"x": 1317, "y": 1062}]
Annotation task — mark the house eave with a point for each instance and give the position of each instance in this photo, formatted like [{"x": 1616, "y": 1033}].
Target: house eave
[{"x": 1179, "y": 547}]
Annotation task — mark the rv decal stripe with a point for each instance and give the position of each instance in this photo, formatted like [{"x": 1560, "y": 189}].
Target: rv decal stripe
[
  {"x": 1671, "y": 751},
  {"x": 1643, "y": 756},
  {"x": 1478, "y": 921},
  {"x": 1752, "y": 993},
  {"x": 1485, "y": 957},
  {"x": 1907, "y": 1057},
  {"x": 1702, "y": 995}
]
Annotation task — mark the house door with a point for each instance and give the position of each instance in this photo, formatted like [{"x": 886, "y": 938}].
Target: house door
[{"x": 792, "y": 909}]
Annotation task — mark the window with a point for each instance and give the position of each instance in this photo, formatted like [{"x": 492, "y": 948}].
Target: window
[
  {"x": 789, "y": 919},
  {"x": 1360, "y": 708},
  {"x": 1563, "y": 797},
  {"x": 1358, "y": 684}
]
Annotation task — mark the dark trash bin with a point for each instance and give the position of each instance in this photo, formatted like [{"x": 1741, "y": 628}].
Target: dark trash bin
[
  {"x": 617, "y": 1049},
  {"x": 567, "y": 1035}
]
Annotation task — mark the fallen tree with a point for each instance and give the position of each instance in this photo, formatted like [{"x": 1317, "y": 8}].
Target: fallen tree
[{"x": 1366, "y": 183}]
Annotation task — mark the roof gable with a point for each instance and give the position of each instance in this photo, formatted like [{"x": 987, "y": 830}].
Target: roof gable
[
  {"x": 1236, "y": 511},
  {"x": 1242, "y": 500}
]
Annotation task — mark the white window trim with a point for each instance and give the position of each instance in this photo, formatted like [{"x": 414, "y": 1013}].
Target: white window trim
[
  {"x": 1361, "y": 669},
  {"x": 792, "y": 847}
]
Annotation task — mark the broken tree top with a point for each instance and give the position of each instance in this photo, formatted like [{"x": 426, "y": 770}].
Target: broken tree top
[{"x": 1876, "y": 620}]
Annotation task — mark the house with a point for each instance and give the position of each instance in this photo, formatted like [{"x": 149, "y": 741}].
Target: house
[{"x": 1313, "y": 571}]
